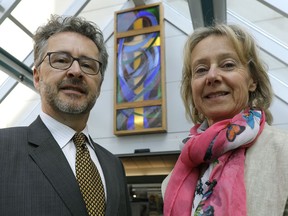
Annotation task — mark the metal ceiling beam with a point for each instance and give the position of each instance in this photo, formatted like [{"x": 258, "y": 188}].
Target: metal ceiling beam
[
  {"x": 6, "y": 7},
  {"x": 280, "y": 6},
  {"x": 208, "y": 12},
  {"x": 17, "y": 70}
]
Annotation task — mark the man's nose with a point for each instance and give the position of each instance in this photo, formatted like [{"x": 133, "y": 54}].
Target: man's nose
[{"x": 75, "y": 68}]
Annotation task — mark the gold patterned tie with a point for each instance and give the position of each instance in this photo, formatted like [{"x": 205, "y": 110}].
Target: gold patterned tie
[{"x": 88, "y": 178}]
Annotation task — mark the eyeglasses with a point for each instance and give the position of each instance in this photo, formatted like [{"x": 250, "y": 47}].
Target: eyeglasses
[{"x": 63, "y": 61}]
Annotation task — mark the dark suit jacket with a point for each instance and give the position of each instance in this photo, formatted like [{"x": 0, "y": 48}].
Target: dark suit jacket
[{"x": 36, "y": 179}]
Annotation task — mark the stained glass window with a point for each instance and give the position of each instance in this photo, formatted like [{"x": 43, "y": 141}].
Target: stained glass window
[{"x": 139, "y": 78}]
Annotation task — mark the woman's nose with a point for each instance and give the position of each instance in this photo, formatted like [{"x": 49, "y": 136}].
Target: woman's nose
[{"x": 212, "y": 76}]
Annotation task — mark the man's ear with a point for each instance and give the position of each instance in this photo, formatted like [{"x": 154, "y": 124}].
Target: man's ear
[{"x": 36, "y": 78}]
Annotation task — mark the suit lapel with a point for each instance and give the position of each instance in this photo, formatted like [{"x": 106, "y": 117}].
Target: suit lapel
[
  {"x": 110, "y": 179},
  {"x": 50, "y": 159}
]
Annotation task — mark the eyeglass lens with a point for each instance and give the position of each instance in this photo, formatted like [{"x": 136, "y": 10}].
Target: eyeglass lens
[{"x": 63, "y": 61}]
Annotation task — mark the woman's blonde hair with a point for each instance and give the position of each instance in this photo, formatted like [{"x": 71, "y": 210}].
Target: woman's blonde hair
[{"x": 247, "y": 51}]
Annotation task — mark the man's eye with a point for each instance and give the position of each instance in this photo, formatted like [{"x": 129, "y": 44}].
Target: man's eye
[
  {"x": 87, "y": 64},
  {"x": 60, "y": 60}
]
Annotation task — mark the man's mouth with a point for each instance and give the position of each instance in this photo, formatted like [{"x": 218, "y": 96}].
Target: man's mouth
[{"x": 73, "y": 89}]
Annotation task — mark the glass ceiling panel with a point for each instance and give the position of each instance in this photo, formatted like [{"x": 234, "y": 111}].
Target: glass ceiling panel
[
  {"x": 273, "y": 23},
  {"x": 14, "y": 40},
  {"x": 14, "y": 106},
  {"x": 3, "y": 77},
  {"x": 31, "y": 19}
]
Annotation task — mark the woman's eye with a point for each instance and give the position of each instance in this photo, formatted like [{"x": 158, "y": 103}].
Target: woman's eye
[
  {"x": 229, "y": 65},
  {"x": 200, "y": 70}
]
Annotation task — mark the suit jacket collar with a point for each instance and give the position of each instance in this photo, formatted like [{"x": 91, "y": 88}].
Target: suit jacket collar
[
  {"x": 48, "y": 156},
  {"x": 110, "y": 178}
]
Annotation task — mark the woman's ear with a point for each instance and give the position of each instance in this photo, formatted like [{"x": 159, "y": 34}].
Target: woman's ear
[{"x": 252, "y": 86}]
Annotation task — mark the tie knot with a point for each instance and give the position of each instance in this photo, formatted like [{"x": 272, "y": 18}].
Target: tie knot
[{"x": 79, "y": 139}]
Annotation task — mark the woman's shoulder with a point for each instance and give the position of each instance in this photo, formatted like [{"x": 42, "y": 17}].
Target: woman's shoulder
[
  {"x": 272, "y": 140},
  {"x": 266, "y": 167},
  {"x": 274, "y": 133}
]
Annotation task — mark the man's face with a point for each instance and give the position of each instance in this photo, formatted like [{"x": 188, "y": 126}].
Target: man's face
[{"x": 69, "y": 91}]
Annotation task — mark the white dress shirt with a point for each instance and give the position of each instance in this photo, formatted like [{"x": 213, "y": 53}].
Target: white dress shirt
[{"x": 63, "y": 136}]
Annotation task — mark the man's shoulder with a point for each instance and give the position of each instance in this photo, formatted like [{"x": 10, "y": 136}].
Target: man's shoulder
[
  {"x": 13, "y": 130},
  {"x": 18, "y": 131}
]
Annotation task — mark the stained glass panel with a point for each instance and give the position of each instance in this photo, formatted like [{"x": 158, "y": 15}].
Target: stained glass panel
[
  {"x": 139, "y": 118},
  {"x": 139, "y": 81},
  {"x": 138, "y": 19},
  {"x": 138, "y": 68}
]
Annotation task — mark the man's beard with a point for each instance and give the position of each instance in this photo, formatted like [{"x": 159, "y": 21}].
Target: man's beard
[{"x": 70, "y": 106}]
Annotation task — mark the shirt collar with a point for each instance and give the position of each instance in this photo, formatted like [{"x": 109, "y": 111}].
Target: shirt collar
[{"x": 61, "y": 132}]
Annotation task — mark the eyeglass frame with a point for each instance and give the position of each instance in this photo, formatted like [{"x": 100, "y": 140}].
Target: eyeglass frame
[{"x": 74, "y": 59}]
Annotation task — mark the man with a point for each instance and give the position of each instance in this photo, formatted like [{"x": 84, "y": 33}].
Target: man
[{"x": 40, "y": 168}]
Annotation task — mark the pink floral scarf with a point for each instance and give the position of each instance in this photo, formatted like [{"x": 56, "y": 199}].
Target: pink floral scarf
[{"x": 223, "y": 144}]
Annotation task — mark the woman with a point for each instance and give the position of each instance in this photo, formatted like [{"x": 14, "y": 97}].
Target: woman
[{"x": 233, "y": 162}]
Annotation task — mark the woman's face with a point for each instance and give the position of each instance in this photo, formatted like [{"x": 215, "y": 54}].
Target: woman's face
[{"x": 220, "y": 82}]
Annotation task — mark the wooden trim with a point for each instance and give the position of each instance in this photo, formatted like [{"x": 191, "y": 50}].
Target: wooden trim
[
  {"x": 139, "y": 104},
  {"x": 146, "y": 30}
]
